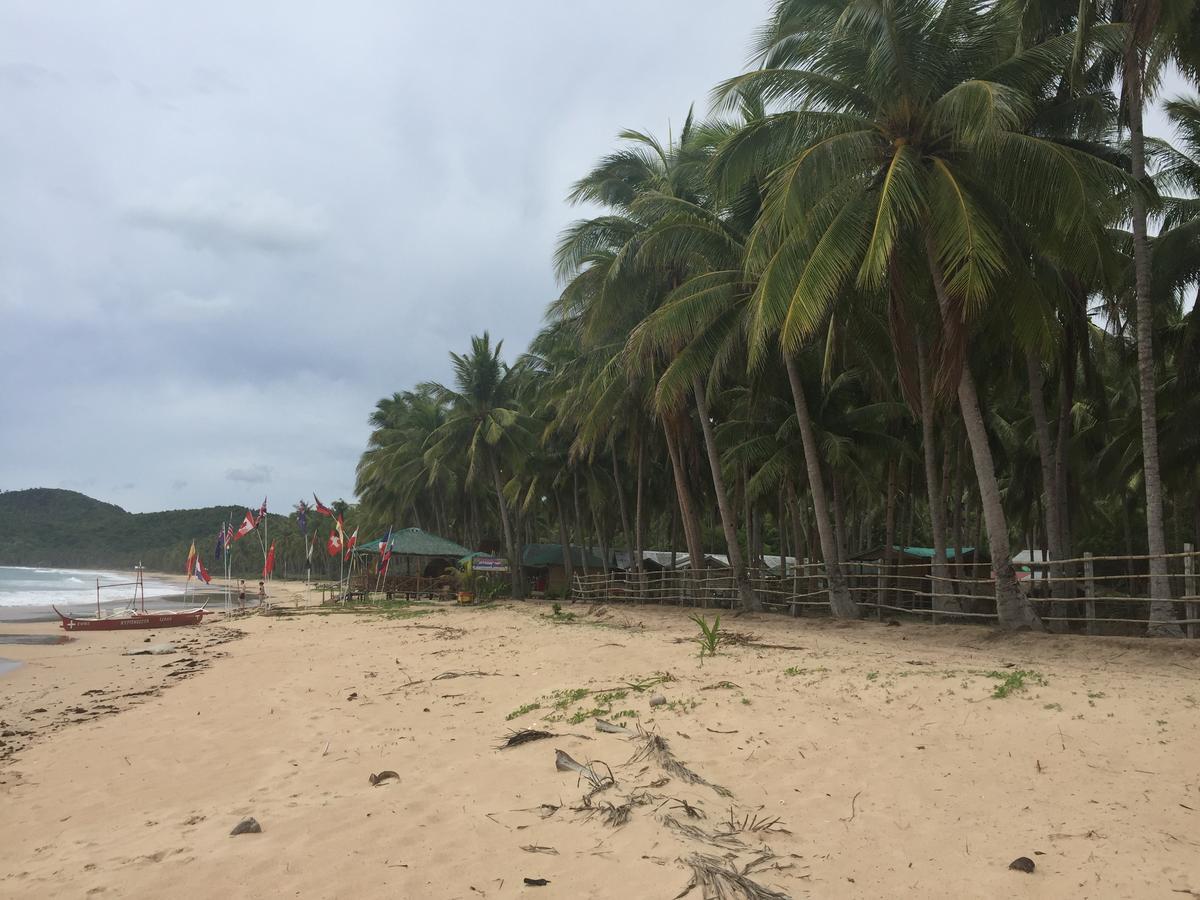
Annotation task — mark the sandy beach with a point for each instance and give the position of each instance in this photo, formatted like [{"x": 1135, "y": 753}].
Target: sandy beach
[{"x": 865, "y": 760}]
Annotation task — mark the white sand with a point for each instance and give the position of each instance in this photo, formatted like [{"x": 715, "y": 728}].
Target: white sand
[{"x": 884, "y": 755}]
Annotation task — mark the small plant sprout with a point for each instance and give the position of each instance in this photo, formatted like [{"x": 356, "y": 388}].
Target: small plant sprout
[{"x": 710, "y": 635}]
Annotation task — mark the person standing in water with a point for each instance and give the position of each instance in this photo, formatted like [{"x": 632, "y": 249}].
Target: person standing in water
[
  {"x": 242, "y": 594},
  {"x": 262, "y": 594}
]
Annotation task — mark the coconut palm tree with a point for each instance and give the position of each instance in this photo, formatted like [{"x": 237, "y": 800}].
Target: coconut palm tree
[
  {"x": 905, "y": 138},
  {"x": 486, "y": 428}
]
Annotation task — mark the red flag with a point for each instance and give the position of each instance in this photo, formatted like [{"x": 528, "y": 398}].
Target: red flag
[
  {"x": 350, "y": 543},
  {"x": 191, "y": 560},
  {"x": 322, "y": 508},
  {"x": 247, "y": 526},
  {"x": 334, "y": 544},
  {"x": 269, "y": 565},
  {"x": 385, "y": 553},
  {"x": 341, "y": 528},
  {"x": 200, "y": 572}
]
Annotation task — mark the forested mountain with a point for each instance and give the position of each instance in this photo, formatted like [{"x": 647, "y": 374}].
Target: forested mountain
[{"x": 51, "y": 527}]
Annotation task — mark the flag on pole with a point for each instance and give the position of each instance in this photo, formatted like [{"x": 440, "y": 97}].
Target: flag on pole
[
  {"x": 334, "y": 544},
  {"x": 269, "y": 565},
  {"x": 308, "y": 549},
  {"x": 341, "y": 528},
  {"x": 351, "y": 542},
  {"x": 191, "y": 560},
  {"x": 200, "y": 572},
  {"x": 302, "y": 517},
  {"x": 220, "y": 541},
  {"x": 322, "y": 508},
  {"x": 385, "y": 553},
  {"x": 247, "y": 526},
  {"x": 262, "y": 510}
]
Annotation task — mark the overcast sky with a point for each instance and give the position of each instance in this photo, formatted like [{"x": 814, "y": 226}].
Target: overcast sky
[{"x": 228, "y": 228}]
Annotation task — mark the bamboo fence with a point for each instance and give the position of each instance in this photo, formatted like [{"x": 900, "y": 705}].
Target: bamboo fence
[{"x": 1089, "y": 594}]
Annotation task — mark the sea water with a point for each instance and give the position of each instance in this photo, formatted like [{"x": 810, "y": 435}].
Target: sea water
[{"x": 21, "y": 586}]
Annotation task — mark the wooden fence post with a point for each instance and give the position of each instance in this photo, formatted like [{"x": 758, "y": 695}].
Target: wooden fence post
[
  {"x": 1089, "y": 591},
  {"x": 1192, "y": 607}
]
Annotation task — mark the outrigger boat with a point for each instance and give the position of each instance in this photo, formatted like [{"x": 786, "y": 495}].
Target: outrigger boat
[{"x": 131, "y": 618}]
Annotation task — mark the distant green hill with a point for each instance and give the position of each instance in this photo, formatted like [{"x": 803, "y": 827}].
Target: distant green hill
[{"x": 51, "y": 527}]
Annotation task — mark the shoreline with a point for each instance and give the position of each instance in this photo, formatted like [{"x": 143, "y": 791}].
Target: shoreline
[{"x": 213, "y": 594}]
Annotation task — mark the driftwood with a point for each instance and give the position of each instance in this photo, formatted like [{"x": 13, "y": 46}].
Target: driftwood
[
  {"x": 655, "y": 748},
  {"x": 610, "y": 728},
  {"x": 720, "y": 880}
]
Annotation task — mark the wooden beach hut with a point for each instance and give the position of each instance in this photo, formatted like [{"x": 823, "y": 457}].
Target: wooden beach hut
[
  {"x": 543, "y": 565},
  {"x": 419, "y": 565}
]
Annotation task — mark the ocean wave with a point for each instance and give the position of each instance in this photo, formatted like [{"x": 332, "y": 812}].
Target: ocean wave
[{"x": 78, "y": 587}]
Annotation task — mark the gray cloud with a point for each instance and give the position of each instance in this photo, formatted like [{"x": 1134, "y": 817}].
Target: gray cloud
[
  {"x": 227, "y": 220},
  {"x": 255, "y": 474},
  {"x": 230, "y": 227}
]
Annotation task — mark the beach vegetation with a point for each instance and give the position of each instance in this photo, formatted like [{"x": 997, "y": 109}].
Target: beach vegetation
[{"x": 916, "y": 277}]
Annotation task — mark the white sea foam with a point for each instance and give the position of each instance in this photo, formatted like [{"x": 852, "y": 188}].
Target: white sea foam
[{"x": 29, "y": 586}]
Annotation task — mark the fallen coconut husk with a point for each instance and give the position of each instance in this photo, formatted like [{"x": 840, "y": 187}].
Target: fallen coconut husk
[
  {"x": 655, "y": 748},
  {"x": 719, "y": 880},
  {"x": 383, "y": 777},
  {"x": 610, "y": 728},
  {"x": 720, "y": 840},
  {"x": 524, "y": 736}
]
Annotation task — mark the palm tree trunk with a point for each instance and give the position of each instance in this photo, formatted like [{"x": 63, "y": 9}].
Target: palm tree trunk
[
  {"x": 781, "y": 527},
  {"x": 599, "y": 539},
  {"x": 839, "y": 518},
  {"x": 956, "y": 524},
  {"x": 1061, "y": 475},
  {"x": 889, "y": 539},
  {"x": 746, "y": 596},
  {"x": 578, "y": 519},
  {"x": 639, "y": 511},
  {"x": 937, "y": 507},
  {"x": 509, "y": 540},
  {"x": 1012, "y": 608},
  {"x": 564, "y": 542},
  {"x": 687, "y": 514},
  {"x": 1046, "y": 454},
  {"x": 626, "y": 533},
  {"x": 1162, "y": 611},
  {"x": 841, "y": 603}
]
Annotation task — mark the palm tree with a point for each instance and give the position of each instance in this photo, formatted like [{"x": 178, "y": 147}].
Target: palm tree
[
  {"x": 647, "y": 181},
  {"x": 1155, "y": 33},
  {"x": 484, "y": 427},
  {"x": 908, "y": 140}
]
